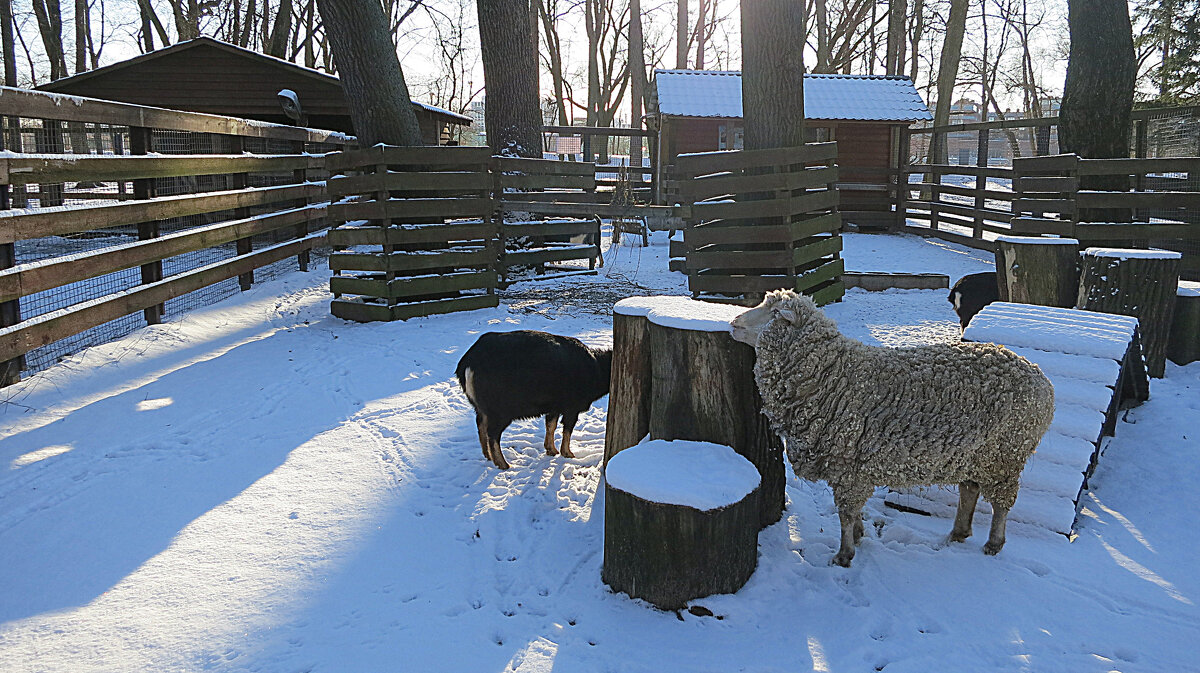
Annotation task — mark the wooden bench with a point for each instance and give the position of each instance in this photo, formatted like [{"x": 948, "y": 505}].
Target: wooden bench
[
  {"x": 552, "y": 204},
  {"x": 1095, "y": 362}
]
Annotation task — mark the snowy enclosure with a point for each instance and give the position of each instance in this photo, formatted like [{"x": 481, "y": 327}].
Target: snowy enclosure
[{"x": 259, "y": 486}]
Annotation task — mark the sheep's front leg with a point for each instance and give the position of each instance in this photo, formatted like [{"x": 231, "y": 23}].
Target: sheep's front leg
[
  {"x": 850, "y": 505},
  {"x": 996, "y": 537},
  {"x": 968, "y": 496}
]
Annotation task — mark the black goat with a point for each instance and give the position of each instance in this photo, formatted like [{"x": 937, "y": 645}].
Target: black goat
[
  {"x": 526, "y": 374},
  {"x": 971, "y": 293}
]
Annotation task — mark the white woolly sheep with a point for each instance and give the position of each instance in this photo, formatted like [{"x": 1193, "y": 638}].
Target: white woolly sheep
[{"x": 859, "y": 416}]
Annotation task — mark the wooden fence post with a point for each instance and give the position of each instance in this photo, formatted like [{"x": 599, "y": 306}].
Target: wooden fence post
[
  {"x": 143, "y": 188},
  {"x": 243, "y": 246},
  {"x": 1140, "y": 283},
  {"x": 300, "y": 176},
  {"x": 903, "y": 164},
  {"x": 10, "y": 311},
  {"x": 982, "y": 148}
]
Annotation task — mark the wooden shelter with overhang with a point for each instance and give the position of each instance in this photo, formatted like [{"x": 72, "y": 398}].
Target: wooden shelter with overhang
[
  {"x": 868, "y": 116},
  {"x": 207, "y": 75}
]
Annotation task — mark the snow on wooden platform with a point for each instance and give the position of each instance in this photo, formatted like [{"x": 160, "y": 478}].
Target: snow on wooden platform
[{"x": 1094, "y": 361}]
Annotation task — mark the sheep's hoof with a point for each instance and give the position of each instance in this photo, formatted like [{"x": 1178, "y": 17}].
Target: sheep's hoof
[
  {"x": 843, "y": 558},
  {"x": 959, "y": 536},
  {"x": 993, "y": 548}
]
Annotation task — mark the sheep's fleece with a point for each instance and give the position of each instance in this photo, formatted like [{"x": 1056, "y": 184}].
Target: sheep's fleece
[{"x": 859, "y": 416}]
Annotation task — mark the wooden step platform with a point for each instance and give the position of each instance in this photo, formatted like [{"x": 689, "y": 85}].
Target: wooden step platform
[{"x": 1095, "y": 362}]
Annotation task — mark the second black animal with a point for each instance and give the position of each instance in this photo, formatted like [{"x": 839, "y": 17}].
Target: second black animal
[
  {"x": 971, "y": 293},
  {"x": 527, "y": 374}
]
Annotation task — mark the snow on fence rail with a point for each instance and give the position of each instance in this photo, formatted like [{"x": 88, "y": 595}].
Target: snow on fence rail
[{"x": 163, "y": 203}]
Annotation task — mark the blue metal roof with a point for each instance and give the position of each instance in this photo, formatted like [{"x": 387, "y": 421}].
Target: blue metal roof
[{"x": 710, "y": 93}]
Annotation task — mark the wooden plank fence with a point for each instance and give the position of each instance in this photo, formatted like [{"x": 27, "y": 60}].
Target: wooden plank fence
[
  {"x": 204, "y": 235},
  {"x": 761, "y": 220}
]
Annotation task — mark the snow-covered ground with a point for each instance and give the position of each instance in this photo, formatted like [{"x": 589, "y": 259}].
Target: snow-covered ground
[{"x": 261, "y": 486}]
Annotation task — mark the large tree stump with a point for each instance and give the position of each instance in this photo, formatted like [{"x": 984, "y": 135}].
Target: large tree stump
[
  {"x": 1183, "y": 343},
  {"x": 1140, "y": 283},
  {"x": 680, "y": 522},
  {"x": 1037, "y": 270}
]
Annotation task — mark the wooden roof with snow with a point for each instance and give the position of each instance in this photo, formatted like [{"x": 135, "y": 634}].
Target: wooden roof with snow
[
  {"x": 716, "y": 93},
  {"x": 207, "y": 75}
]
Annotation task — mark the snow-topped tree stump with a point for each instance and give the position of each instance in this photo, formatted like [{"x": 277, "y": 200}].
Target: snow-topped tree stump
[
  {"x": 1134, "y": 282},
  {"x": 1038, "y": 270},
  {"x": 680, "y": 521},
  {"x": 679, "y": 374},
  {"x": 1183, "y": 345}
]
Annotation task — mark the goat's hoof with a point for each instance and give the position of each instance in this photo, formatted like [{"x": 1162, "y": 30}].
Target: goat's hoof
[
  {"x": 567, "y": 453},
  {"x": 993, "y": 548},
  {"x": 843, "y": 559},
  {"x": 551, "y": 451}
]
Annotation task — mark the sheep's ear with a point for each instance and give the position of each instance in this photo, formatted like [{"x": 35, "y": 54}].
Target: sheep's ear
[{"x": 788, "y": 315}]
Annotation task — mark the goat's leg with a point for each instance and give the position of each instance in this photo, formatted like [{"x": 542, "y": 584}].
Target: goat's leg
[
  {"x": 482, "y": 423},
  {"x": 968, "y": 495},
  {"x": 568, "y": 420},
  {"x": 551, "y": 426},
  {"x": 850, "y": 503},
  {"x": 495, "y": 429}
]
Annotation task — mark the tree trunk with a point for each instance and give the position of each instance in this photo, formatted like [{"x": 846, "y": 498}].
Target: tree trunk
[
  {"x": 822, "y": 37},
  {"x": 947, "y": 75},
  {"x": 82, "y": 35},
  {"x": 514, "y": 120},
  {"x": 918, "y": 27},
  {"x": 1038, "y": 270},
  {"x": 1097, "y": 104},
  {"x": 772, "y": 73},
  {"x": 48, "y": 14},
  {"x": 681, "y": 34},
  {"x": 637, "y": 84},
  {"x": 897, "y": 13},
  {"x": 701, "y": 17},
  {"x": 1142, "y": 284},
  {"x": 9, "y": 43},
  {"x": 554, "y": 54},
  {"x": 377, "y": 95},
  {"x": 277, "y": 45},
  {"x": 703, "y": 389}
]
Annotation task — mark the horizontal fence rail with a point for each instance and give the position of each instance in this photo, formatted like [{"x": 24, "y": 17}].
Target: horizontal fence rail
[{"x": 114, "y": 215}]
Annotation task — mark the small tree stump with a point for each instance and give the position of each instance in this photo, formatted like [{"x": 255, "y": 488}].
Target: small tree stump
[
  {"x": 1038, "y": 270},
  {"x": 1139, "y": 283},
  {"x": 1183, "y": 343},
  {"x": 630, "y": 391},
  {"x": 680, "y": 522}
]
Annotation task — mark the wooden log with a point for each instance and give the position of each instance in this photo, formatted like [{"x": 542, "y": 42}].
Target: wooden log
[
  {"x": 1140, "y": 283},
  {"x": 1038, "y": 270},
  {"x": 1183, "y": 343},
  {"x": 680, "y": 522},
  {"x": 629, "y": 391},
  {"x": 703, "y": 389}
]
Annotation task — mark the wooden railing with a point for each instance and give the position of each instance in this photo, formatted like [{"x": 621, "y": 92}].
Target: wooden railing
[
  {"x": 762, "y": 220},
  {"x": 966, "y": 212},
  {"x": 184, "y": 220}
]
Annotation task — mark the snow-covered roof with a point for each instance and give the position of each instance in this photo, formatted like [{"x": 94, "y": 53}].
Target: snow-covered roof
[{"x": 709, "y": 93}]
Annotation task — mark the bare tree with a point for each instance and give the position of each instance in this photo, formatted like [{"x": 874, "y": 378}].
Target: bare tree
[
  {"x": 947, "y": 75},
  {"x": 9, "y": 44},
  {"x": 897, "y": 13},
  {"x": 49, "y": 19},
  {"x": 681, "y": 34},
  {"x": 1097, "y": 100},
  {"x": 514, "y": 120},
  {"x": 772, "y": 73},
  {"x": 370, "y": 72},
  {"x": 637, "y": 81}
]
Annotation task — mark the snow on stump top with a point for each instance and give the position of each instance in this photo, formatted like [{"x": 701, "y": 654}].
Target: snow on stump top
[
  {"x": 681, "y": 312},
  {"x": 1094, "y": 362},
  {"x": 701, "y": 475},
  {"x": 681, "y": 521}
]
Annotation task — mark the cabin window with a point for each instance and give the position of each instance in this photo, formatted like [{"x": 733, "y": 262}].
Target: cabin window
[
  {"x": 729, "y": 137},
  {"x": 816, "y": 134}
]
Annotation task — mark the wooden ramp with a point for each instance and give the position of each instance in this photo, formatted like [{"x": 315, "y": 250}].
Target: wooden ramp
[{"x": 1095, "y": 362}]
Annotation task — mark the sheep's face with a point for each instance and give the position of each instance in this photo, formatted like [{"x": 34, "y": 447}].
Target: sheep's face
[{"x": 747, "y": 326}]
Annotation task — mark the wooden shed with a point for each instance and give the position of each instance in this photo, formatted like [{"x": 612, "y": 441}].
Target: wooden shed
[
  {"x": 207, "y": 75},
  {"x": 701, "y": 111}
]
